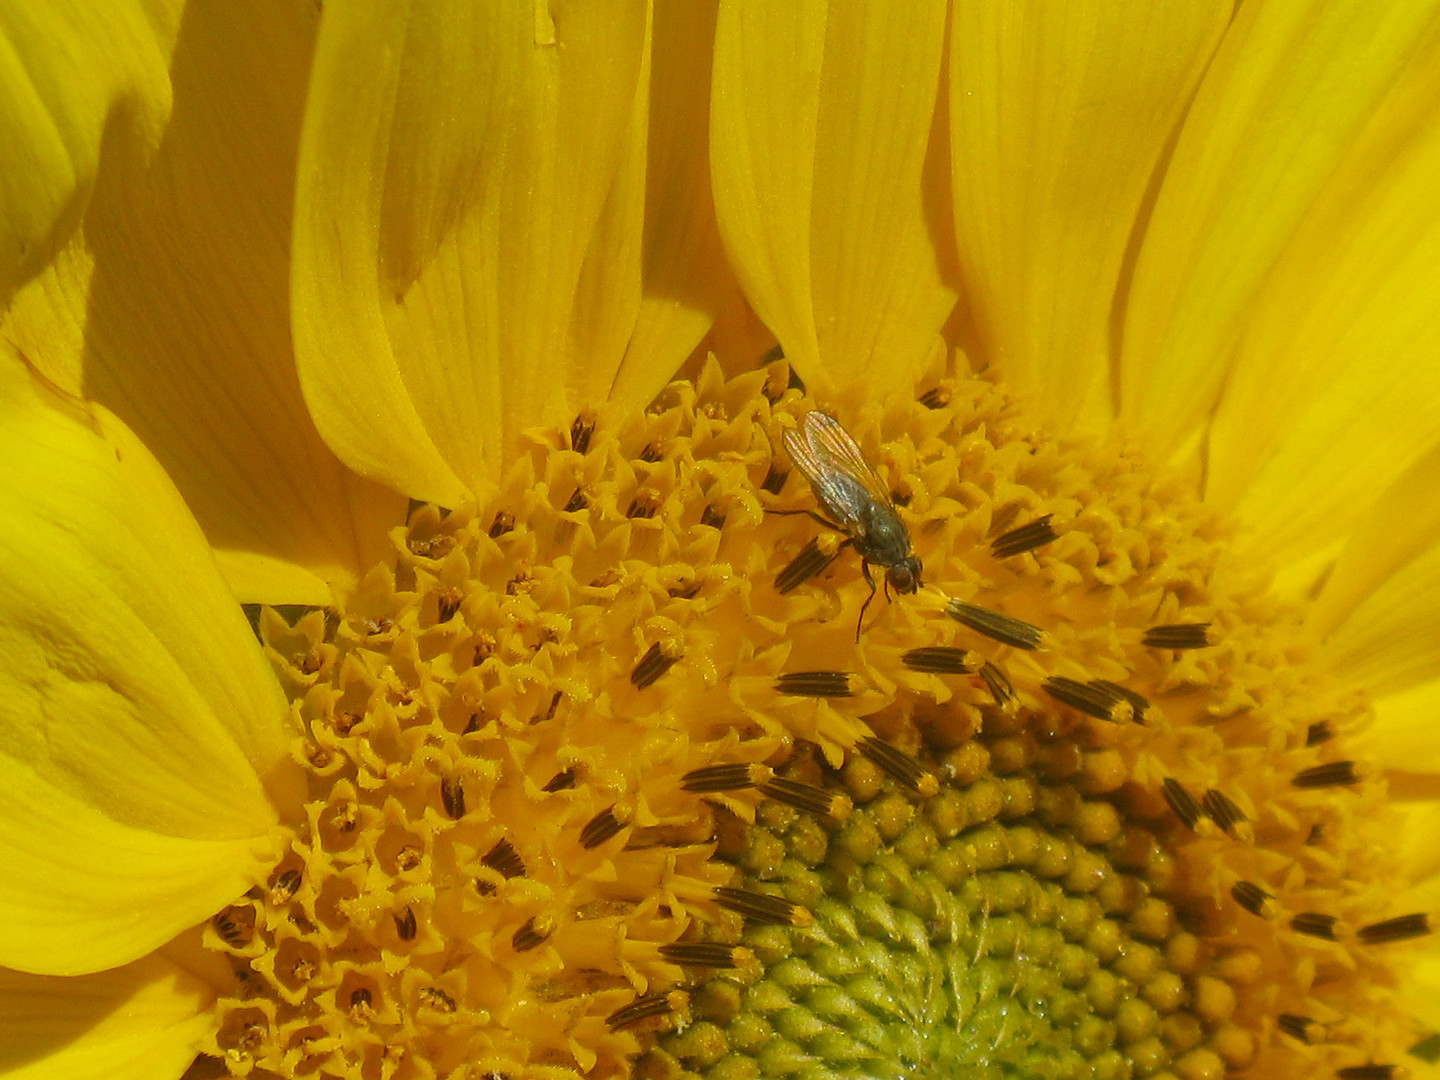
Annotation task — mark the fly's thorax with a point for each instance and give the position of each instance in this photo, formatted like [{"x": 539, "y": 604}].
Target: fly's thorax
[{"x": 885, "y": 540}]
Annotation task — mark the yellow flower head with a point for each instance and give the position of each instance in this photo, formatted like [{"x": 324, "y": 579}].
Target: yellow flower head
[{"x": 917, "y": 560}]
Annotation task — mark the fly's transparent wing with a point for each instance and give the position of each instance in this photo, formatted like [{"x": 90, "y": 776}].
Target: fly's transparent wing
[{"x": 841, "y": 478}]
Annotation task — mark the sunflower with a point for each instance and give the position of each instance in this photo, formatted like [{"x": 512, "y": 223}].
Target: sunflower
[{"x": 421, "y": 657}]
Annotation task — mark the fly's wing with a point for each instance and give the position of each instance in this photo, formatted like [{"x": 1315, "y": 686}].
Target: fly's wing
[{"x": 842, "y": 479}]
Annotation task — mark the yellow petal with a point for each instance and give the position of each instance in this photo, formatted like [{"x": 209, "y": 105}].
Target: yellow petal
[
  {"x": 1335, "y": 386},
  {"x": 820, "y": 127},
  {"x": 684, "y": 277},
  {"x": 140, "y": 722},
  {"x": 71, "y": 74},
  {"x": 455, "y": 165},
  {"x": 138, "y": 1022},
  {"x": 172, "y": 310},
  {"x": 1375, "y": 613},
  {"x": 1059, "y": 116},
  {"x": 1280, "y": 114}
]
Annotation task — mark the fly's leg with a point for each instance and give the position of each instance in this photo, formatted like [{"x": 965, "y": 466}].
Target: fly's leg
[{"x": 865, "y": 569}]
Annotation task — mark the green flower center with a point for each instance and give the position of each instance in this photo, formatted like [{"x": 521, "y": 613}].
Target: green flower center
[{"x": 604, "y": 782}]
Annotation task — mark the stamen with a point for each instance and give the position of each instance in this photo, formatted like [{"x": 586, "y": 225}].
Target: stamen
[
  {"x": 561, "y": 781},
  {"x": 1302, "y": 1028},
  {"x": 807, "y": 797},
  {"x": 1183, "y": 803},
  {"x": 658, "y": 659},
  {"x": 1331, "y": 774},
  {"x": 1000, "y": 687},
  {"x": 710, "y": 954},
  {"x": 578, "y": 501},
  {"x": 650, "y": 453},
  {"x": 814, "y": 557},
  {"x": 815, "y": 684},
  {"x": 1370, "y": 1072},
  {"x": 1026, "y": 538},
  {"x": 504, "y": 859},
  {"x": 775, "y": 480},
  {"x": 992, "y": 624},
  {"x": 899, "y": 765},
  {"x": 405, "y": 924},
  {"x": 1181, "y": 636},
  {"x": 762, "y": 907},
  {"x": 1319, "y": 732},
  {"x": 1089, "y": 698},
  {"x": 581, "y": 430},
  {"x": 284, "y": 888},
  {"x": 1227, "y": 815},
  {"x": 712, "y": 517},
  {"x": 435, "y": 998},
  {"x": 235, "y": 925},
  {"x": 452, "y": 795},
  {"x": 1139, "y": 702},
  {"x": 942, "y": 660},
  {"x": 643, "y": 505},
  {"x": 534, "y": 932},
  {"x": 937, "y": 397},
  {"x": 733, "y": 777},
  {"x": 645, "y": 1008},
  {"x": 1253, "y": 899},
  {"x": 502, "y": 523},
  {"x": 1402, "y": 928},
  {"x": 604, "y": 825},
  {"x": 1311, "y": 924}
]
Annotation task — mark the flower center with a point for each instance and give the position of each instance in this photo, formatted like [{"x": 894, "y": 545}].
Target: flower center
[{"x": 606, "y": 779}]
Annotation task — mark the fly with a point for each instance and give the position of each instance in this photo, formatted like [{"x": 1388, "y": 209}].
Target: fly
[{"x": 858, "y": 504}]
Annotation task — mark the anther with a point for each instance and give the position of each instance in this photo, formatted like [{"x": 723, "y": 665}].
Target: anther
[
  {"x": 561, "y": 781},
  {"x": 815, "y": 684},
  {"x": 1138, "y": 702},
  {"x": 1000, "y": 687},
  {"x": 815, "y": 556},
  {"x": 581, "y": 430},
  {"x": 807, "y": 797},
  {"x": 712, "y": 517},
  {"x": 604, "y": 825},
  {"x": 1312, "y": 924},
  {"x": 644, "y": 505},
  {"x": 937, "y": 397},
  {"x": 578, "y": 501},
  {"x": 651, "y": 453},
  {"x": 1331, "y": 774},
  {"x": 775, "y": 480},
  {"x": 284, "y": 888},
  {"x": 658, "y": 659},
  {"x": 1026, "y": 538},
  {"x": 943, "y": 660},
  {"x": 405, "y": 925},
  {"x": 762, "y": 908},
  {"x": 235, "y": 925},
  {"x": 1402, "y": 928},
  {"x": 644, "y": 1008},
  {"x": 1181, "y": 636},
  {"x": 452, "y": 796},
  {"x": 1372, "y": 1071},
  {"x": 1253, "y": 899},
  {"x": 1226, "y": 814},
  {"x": 434, "y": 998},
  {"x": 534, "y": 932},
  {"x": 1089, "y": 698},
  {"x": 732, "y": 777},
  {"x": 899, "y": 765},
  {"x": 504, "y": 859},
  {"x": 710, "y": 954},
  {"x": 1183, "y": 803},
  {"x": 1319, "y": 732},
  {"x": 502, "y": 523},
  {"x": 992, "y": 624},
  {"x": 1301, "y": 1028}
]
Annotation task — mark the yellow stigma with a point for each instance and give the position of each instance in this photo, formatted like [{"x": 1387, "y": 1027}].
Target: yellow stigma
[{"x": 602, "y": 784}]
